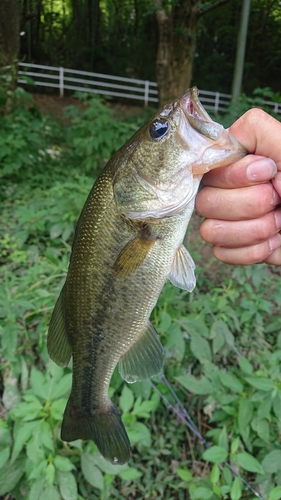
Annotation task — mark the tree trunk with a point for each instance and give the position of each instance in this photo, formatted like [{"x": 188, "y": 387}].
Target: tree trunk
[
  {"x": 177, "y": 29},
  {"x": 9, "y": 39}
]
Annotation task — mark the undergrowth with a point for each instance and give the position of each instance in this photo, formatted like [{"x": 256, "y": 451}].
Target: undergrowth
[{"x": 222, "y": 342}]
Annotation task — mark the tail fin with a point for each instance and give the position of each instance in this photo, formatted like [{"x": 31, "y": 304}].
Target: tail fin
[{"x": 105, "y": 428}]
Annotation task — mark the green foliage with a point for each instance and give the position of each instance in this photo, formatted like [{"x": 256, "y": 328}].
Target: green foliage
[
  {"x": 260, "y": 99},
  {"x": 95, "y": 133},
  {"x": 222, "y": 346}
]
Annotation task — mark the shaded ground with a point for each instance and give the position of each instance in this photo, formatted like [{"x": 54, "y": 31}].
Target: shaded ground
[{"x": 55, "y": 105}]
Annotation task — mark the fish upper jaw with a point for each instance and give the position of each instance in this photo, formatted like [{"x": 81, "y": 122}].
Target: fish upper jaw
[{"x": 223, "y": 148}]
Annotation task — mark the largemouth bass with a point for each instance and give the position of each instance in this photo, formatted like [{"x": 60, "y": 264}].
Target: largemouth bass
[{"x": 128, "y": 242}]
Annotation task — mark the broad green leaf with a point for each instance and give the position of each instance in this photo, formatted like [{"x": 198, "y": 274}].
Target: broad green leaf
[
  {"x": 50, "y": 492},
  {"x": 61, "y": 388},
  {"x": 91, "y": 472},
  {"x": 63, "y": 463},
  {"x": 57, "y": 409},
  {"x": 34, "y": 449},
  {"x": 38, "y": 470},
  {"x": 235, "y": 444},
  {"x": 215, "y": 454},
  {"x": 143, "y": 409},
  {"x": 245, "y": 413},
  {"x": 176, "y": 342},
  {"x": 272, "y": 462},
  {"x": 261, "y": 383},
  {"x": 184, "y": 474},
  {"x": 197, "y": 386},
  {"x": 4, "y": 456},
  {"x": 67, "y": 485},
  {"x": 5, "y": 434},
  {"x": 11, "y": 474},
  {"x": 201, "y": 493},
  {"x": 200, "y": 347},
  {"x": 218, "y": 340},
  {"x": 265, "y": 404},
  {"x": 196, "y": 326},
  {"x": 276, "y": 403},
  {"x": 139, "y": 433},
  {"x": 50, "y": 473},
  {"x": 236, "y": 490},
  {"x": 130, "y": 474},
  {"x": 126, "y": 399},
  {"x": 22, "y": 434},
  {"x": 227, "y": 476},
  {"x": 249, "y": 463},
  {"x": 275, "y": 493},
  {"x": 36, "y": 489},
  {"x": 263, "y": 430},
  {"x": 37, "y": 381},
  {"x": 245, "y": 366},
  {"x": 215, "y": 474},
  {"x": 231, "y": 382},
  {"x": 47, "y": 436},
  {"x": 165, "y": 321},
  {"x": 223, "y": 440}
]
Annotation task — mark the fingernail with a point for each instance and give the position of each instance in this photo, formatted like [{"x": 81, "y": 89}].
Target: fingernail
[
  {"x": 274, "y": 242},
  {"x": 275, "y": 198},
  {"x": 277, "y": 216},
  {"x": 261, "y": 170}
]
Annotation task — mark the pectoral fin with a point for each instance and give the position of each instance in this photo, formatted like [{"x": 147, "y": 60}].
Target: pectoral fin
[
  {"x": 144, "y": 359},
  {"x": 58, "y": 342},
  {"x": 182, "y": 271},
  {"x": 134, "y": 253}
]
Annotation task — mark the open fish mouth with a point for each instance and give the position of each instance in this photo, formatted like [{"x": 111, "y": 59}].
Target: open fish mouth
[
  {"x": 223, "y": 147},
  {"x": 192, "y": 106}
]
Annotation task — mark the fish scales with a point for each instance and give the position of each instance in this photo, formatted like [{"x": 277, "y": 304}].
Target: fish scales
[{"x": 127, "y": 243}]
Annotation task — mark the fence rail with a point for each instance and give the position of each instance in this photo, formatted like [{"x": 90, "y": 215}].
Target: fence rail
[
  {"x": 130, "y": 88},
  {"x": 85, "y": 81}
]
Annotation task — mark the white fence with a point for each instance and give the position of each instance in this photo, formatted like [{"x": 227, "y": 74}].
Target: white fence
[
  {"x": 130, "y": 88},
  {"x": 97, "y": 83}
]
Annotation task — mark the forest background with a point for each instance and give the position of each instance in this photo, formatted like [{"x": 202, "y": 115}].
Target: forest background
[
  {"x": 222, "y": 342},
  {"x": 173, "y": 42}
]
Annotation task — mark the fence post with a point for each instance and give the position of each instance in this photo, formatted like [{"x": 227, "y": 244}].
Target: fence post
[
  {"x": 217, "y": 102},
  {"x": 146, "y": 92},
  {"x": 61, "y": 81}
]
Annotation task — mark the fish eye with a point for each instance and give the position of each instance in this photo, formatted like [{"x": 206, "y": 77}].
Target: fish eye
[{"x": 159, "y": 128}]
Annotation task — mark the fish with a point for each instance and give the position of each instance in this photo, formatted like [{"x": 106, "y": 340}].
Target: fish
[{"x": 128, "y": 242}]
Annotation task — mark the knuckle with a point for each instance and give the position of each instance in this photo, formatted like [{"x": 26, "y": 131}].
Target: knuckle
[{"x": 258, "y": 253}]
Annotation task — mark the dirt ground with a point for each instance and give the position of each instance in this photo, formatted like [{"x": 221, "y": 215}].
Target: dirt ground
[{"x": 55, "y": 105}]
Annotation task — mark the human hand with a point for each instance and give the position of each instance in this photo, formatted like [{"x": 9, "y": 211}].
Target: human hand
[{"x": 240, "y": 201}]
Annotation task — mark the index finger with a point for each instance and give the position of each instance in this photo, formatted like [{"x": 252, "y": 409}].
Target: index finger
[
  {"x": 249, "y": 171},
  {"x": 260, "y": 133}
]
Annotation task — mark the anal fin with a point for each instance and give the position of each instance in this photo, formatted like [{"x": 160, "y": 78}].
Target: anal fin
[
  {"x": 182, "y": 271},
  {"x": 58, "y": 343},
  {"x": 144, "y": 359}
]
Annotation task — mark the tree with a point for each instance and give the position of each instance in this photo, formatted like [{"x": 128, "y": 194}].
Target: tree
[
  {"x": 9, "y": 38},
  {"x": 177, "y": 27}
]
